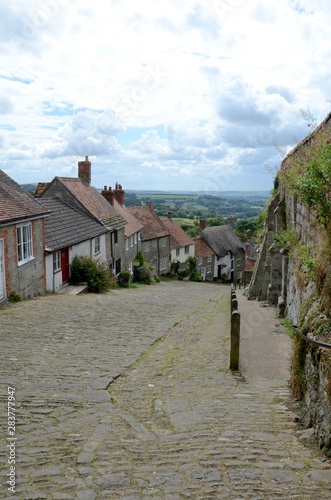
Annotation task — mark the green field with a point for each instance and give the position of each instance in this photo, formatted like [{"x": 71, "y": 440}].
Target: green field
[{"x": 195, "y": 206}]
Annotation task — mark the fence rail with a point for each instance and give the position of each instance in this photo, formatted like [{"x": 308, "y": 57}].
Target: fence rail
[{"x": 307, "y": 339}]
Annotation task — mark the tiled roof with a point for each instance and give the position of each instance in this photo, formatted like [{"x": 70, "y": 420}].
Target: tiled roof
[
  {"x": 178, "y": 237},
  {"x": 15, "y": 202},
  {"x": 66, "y": 226},
  {"x": 133, "y": 224},
  {"x": 222, "y": 239},
  {"x": 92, "y": 200},
  {"x": 153, "y": 227},
  {"x": 201, "y": 248},
  {"x": 41, "y": 188}
]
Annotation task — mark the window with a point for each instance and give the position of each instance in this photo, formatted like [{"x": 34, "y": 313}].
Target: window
[
  {"x": 131, "y": 241},
  {"x": 97, "y": 244},
  {"x": 126, "y": 243},
  {"x": 115, "y": 236},
  {"x": 209, "y": 258},
  {"x": 163, "y": 264},
  {"x": 139, "y": 236},
  {"x": 238, "y": 262},
  {"x": 187, "y": 249},
  {"x": 163, "y": 242},
  {"x": 56, "y": 261},
  {"x": 209, "y": 269},
  {"x": 117, "y": 266},
  {"x": 199, "y": 261},
  {"x": 135, "y": 238},
  {"x": 177, "y": 252},
  {"x": 146, "y": 246},
  {"x": 24, "y": 243}
]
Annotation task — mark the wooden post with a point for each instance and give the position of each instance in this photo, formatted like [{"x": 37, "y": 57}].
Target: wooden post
[
  {"x": 234, "y": 303},
  {"x": 235, "y": 340}
]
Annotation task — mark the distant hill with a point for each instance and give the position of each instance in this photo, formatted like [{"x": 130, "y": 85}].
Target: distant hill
[
  {"x": 220, "y": 194},
  {"x": 30, "y": 188}
]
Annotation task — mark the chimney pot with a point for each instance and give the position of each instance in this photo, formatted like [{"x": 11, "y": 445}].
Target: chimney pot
[
  {"x": 170, "y": 214},
  {"x": 202, "y": 224},
  {"x": 119, "y": 193},
  {"x": 108, "y": 194},
  {"x": 84, "y": 170}
]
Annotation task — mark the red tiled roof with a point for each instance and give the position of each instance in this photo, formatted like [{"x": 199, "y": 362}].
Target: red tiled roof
[
  {"x": 15, "y": 202},
  {"x": 133, "y": 224},
  {"x": 153, "y": 226},
  {"x": 178, "y": 237},
  {"x": 201, "y": 248},
  {"x": 91, "y": 199}
]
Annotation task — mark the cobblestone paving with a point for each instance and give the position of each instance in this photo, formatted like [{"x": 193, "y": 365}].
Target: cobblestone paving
[{"x": 176, "y": 423}]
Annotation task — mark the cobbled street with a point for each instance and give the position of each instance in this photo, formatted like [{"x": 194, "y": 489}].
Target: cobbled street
[{"x": 128, "y": 395}]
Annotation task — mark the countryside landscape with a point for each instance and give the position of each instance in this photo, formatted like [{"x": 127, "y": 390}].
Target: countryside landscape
[{"x": 247, "y": 207}]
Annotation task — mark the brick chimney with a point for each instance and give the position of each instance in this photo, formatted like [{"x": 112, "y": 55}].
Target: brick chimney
[
  {"x": 119, "y": 193},
  {"x": 150, "y": 204},
  {"x": 170, "y": 214},
  {"x": 84, "y": 170},
  {"x": 202, "y": 224},
  {"x": 230, "y": 222},
  {"x": 108, "y": 194}
]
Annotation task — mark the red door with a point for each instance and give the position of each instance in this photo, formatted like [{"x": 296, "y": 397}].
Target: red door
[{"x": 65, "y": 264}]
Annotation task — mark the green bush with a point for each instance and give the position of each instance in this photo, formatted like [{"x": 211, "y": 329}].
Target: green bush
[
  {"x": 14, "y": 297},
  {"x": 96, "y": 275},
  {"x": 141, "y": 258},
  {"x": 145, "y": 274},
  {"x": 196, "y": 276},
  {"x": 124, "y": 278}
]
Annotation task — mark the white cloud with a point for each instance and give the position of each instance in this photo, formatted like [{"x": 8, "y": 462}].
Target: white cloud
[{"x": 223, "y": 83}]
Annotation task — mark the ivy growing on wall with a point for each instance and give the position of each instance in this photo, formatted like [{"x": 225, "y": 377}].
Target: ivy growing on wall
[{"x": 307, "y": 173}]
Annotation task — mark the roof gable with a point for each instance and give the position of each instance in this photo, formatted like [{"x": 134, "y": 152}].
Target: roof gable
[
  {"x": 15, "y": 202},
  {"x": 178, "y": 237},
  {"x": 88, "y": 197},
  {"x": 153, "y": 227},
  {"x": 133, "y": 224},
  {"x": 201, "y": 248},
  {"x": 66, "y": 226}
]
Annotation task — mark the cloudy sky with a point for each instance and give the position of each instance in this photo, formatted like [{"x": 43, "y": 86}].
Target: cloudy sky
[{"x": 161, "y": 94}]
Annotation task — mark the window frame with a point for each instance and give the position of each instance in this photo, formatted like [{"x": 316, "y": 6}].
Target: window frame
[
  {"x": 24, "y": 243},
  {"x": 57, "y": 261},
  {"x": 146, "y": 246},
  {"x": 97, "y": 245},
  {"x": 165, "y": 264}
]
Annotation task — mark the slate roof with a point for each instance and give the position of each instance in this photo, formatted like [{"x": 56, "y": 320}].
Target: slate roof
[
  {"x": 66, "y": 226},
  {"x": 153, "y": 227},
  {"x": 133, "y": 224},
  {"x": 91, "y": 199},
  {"x": 222, "y": 239},
  {"x": 178, "y": 237},
  {"x": 202, "y": 250},
  {"x": 15, "y": 202}
]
